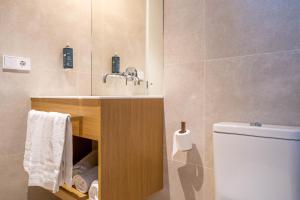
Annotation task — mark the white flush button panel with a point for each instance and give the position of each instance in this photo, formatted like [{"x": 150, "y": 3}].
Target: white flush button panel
[{"x": 16, "y": 63}]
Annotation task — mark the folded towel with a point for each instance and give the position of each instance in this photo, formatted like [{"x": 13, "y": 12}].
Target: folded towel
[
  {"x": 93, "y": 191},
  {"x": 48, "y": 150},
  {"x": 84, "y": 180},
  {"x": 88, "y": 162}
]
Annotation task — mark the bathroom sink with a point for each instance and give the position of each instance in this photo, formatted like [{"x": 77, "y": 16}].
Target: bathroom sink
[{"x": 100, "y": 97}]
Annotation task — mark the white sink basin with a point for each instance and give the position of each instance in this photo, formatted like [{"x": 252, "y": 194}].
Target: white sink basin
[{"x": 100, "y": 97}]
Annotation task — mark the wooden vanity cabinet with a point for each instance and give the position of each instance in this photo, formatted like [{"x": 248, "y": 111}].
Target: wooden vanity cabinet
[{"x": 129, "y": 132}]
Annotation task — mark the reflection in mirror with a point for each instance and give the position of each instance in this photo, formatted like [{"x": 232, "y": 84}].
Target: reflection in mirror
[{"x": 132, "y": 29}]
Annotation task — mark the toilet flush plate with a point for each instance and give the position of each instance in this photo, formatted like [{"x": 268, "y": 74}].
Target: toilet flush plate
[{"x": 16, "y": 63}]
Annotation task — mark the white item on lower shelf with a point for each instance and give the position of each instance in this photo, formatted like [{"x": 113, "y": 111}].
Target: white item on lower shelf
[
  {"x": 84, "y": 180},
  {"x": 86, "y": 163},
  {"x": 93, "y": 191}
]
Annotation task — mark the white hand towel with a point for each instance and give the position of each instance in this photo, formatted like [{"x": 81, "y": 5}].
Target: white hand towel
[
  {"x": 84, "y": 180},
  {"x": 66, "y": 167},
  {"x": 88, "y": 162},
  {"x": 48, "y": 150},
  {"x": 93, "y": 191}
]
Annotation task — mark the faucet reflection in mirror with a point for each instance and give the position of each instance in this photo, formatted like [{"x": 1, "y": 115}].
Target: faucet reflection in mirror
[{"x": 130, "y": 74}]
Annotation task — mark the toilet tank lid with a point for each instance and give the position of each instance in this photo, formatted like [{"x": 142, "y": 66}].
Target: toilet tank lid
[{"x": 266, "y": 130}]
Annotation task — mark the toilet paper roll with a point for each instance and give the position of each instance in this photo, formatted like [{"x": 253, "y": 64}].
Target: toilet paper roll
[{"x": 182, "y": 141}]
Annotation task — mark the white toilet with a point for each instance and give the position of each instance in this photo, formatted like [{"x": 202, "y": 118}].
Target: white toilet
[{"x": 256, "y": 162}]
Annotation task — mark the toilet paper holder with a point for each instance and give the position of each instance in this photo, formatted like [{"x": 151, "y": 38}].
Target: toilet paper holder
[
  {"x": 182, "y": 140},
  {"x": 183, "y": 127}
]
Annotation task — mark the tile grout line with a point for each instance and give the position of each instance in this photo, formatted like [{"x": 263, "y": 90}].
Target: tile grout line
[
  {"x": 184, "y": 63},
  {"x": 91, "y": 82},
  {"x": 62, "y": 70},
  {"x": 204, "y": 118},
  {"x": 204, "y": 86},
  {"x": 255, "y": 54},
  {"x": 192, "y": 164},
  {"x": 204, "y": 163},
  {"x": 184, "y": 162}
]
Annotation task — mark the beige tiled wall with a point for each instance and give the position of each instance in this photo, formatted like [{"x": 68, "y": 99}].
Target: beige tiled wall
[
  {"x": 39, "y": 30},
  {"x": 228, "y": 60}
]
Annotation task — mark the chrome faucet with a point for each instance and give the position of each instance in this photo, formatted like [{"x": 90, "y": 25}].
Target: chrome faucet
[{"x": 130, "y": 74}]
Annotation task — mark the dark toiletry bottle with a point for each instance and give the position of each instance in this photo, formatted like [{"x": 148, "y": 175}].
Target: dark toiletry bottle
[
  {"x": 68, "y": 57},
  {"x": 115, "y": 64}
]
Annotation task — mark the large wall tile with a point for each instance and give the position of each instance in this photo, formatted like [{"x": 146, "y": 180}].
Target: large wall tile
[
  {"x": 38, "y": 193},
  {"x": 185, "y": 181},
  {"x": 13, "y": 178},
  {"x": 236, "y": 27},
  {"x": 185, "y": 48},
  {"x": 208, "y": 186},
  {"x": 183, "y": 17},
  {"x": 13, "y": 130},
  {"x": 262, "y": 88},
  {"x": 184, "y": 102},
  {"x": 184, "y": 31}
]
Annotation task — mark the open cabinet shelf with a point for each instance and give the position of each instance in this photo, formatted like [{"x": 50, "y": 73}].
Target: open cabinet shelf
[
  {"x": 81, "y": 148},
  {"x": 70, "y": 193}
]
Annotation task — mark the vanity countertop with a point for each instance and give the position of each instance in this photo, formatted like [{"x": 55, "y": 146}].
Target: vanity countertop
[{"x": 100, "y": 97}]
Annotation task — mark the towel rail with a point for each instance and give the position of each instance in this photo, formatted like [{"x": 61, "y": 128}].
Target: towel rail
[
  {"x": 76, "y": 117},
  {"x": 77, "y": 127}
]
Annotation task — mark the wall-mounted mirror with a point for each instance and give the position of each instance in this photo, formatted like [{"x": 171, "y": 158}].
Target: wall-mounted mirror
[{"x": 132, "y": 29}]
